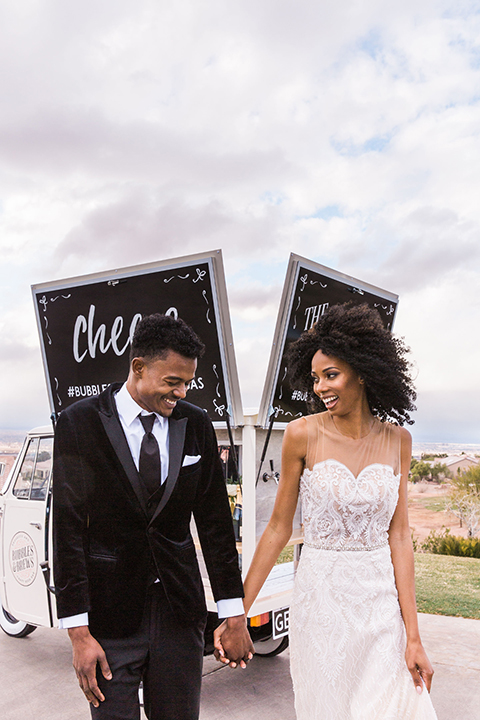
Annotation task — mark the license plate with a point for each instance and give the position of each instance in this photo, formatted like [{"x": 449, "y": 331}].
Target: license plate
[{"x": 281, "y": 622}]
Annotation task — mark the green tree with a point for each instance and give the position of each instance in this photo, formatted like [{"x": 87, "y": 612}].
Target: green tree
[
  {"x": 464, "y": 499},
  {"x": 440, "y": 471},
  {"x": 420, "y": 471},
  {"x": 43, "y": 455}
]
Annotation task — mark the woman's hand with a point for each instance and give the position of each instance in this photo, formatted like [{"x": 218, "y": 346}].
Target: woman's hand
[
  {"x": 419, "y": 665},
  {"x": 219, "y": 652}
]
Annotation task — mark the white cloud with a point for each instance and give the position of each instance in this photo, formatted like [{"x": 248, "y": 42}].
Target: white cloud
[{"x": 345, "y": 132}]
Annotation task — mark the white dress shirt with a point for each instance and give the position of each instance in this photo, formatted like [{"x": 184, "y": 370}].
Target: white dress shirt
[{"x": 128, "y": 412}]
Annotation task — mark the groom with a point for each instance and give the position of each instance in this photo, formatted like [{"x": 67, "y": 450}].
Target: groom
[{"x": 131, "y": 466}]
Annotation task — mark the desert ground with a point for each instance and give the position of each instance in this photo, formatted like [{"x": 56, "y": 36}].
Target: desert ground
[{"x": 423, "y": 518}]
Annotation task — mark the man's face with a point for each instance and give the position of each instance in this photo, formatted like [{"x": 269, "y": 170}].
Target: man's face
[{"x": 156, "y": 384}]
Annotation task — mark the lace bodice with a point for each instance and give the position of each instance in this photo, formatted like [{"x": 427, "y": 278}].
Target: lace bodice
[
  {"x": 344, "y": 512},
  {"x": 350, "y": 492}
]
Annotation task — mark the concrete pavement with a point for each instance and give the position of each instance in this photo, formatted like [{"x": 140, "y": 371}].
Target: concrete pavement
[
  {"x": 37, "y": 681},
  {"x": 264, "y": 689},
  {"x": 453, "y": 646}
]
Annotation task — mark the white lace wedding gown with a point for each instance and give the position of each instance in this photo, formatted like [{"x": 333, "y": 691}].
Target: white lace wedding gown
[{"x": 347, "y": 637}]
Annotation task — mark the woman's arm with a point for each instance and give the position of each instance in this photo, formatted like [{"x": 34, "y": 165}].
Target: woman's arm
[
  {"x": 403, "y": 564},
  {"x": 279, "y": 528}
]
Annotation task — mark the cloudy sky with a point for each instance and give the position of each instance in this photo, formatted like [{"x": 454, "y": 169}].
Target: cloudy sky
[{"x": 346, "y": 132}]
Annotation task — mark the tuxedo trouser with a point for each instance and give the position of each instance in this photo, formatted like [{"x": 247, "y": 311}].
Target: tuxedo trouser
[{"x": 166, "y": 655}]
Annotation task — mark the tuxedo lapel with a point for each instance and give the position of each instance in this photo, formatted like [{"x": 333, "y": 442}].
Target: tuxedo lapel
[
  {"x": 115, "y": 434},
  {"x": 176, "y": 439}
]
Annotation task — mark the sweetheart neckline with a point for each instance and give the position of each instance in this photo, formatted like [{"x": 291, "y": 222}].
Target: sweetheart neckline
[{"x": 355, "y": 477}]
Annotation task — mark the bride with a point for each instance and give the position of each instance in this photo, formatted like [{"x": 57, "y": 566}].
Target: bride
[{"x": 355, "y": 647}]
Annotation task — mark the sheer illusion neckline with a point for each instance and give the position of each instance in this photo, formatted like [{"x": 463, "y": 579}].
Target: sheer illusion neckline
[
  {"x": 348, "y": 437},
  {"x": 380, "y": 445}
]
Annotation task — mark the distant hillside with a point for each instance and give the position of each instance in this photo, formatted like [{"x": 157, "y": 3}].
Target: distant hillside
[
  {"x": 11, "y": 440},
  {"x": 446, "y": 448}
]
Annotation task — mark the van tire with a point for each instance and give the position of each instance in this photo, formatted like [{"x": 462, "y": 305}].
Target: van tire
[
  {"x": 270, "y": 647},
  {"x": 14, "y": 627}
]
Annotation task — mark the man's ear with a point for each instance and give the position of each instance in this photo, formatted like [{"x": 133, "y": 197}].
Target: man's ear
[{"x": 137, "y": 366}]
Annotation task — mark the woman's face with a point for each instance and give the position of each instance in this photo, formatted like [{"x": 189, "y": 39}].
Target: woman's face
[{"x": 337, "y": 384}]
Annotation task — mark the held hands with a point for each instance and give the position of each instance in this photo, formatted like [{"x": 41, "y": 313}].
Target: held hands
[
  {"x": 233, "y": 645},
  {"x": 86, "y": 653},
  {"x": 419, "y": 665}
]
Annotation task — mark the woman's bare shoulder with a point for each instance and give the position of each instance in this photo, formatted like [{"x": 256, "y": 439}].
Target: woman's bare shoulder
[
  {"x": 402, "y": 433},
  {"x": 298, "y": 423},
  {"x": 397, "y": 430},
  {"x": 403, "y": 436},
  {"x": 405, "y": 440},
  {"x": 296, "y": 435}
]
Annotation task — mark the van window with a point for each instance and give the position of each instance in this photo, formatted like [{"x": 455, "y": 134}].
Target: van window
[
  {"x": 33, "y": 479},
  {"x": 43, "y": 469},
  {"x": 24, "y": 479}
]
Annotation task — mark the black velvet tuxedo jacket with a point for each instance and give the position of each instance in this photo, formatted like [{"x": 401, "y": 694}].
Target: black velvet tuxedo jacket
[{"x": 107, "y": 541}]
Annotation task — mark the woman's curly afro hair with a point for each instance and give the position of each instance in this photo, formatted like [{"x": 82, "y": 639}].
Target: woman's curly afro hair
[{"x": 356, "y": 335}]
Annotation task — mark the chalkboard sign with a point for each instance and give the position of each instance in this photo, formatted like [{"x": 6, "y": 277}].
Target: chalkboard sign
[
  {"x": 309, "y": 290},
  {"x": 86, "y": 325}
]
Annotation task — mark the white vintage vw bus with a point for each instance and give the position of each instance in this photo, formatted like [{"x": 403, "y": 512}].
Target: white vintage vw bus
[{"x": 26, "y": 538}]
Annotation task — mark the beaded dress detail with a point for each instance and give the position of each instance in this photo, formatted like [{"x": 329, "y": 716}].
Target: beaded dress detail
[{"x": 347, "y": 638}]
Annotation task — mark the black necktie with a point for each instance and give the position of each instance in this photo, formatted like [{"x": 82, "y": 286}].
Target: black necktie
[{"x": 149, "y": 461}]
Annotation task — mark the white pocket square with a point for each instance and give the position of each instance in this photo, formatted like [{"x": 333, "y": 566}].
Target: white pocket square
[{"x": 190, "y": 460}]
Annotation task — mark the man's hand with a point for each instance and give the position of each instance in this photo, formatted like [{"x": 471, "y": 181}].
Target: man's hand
[
  {"x": 233, "y": 645},
  {"x": 86, "y": 653}
]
